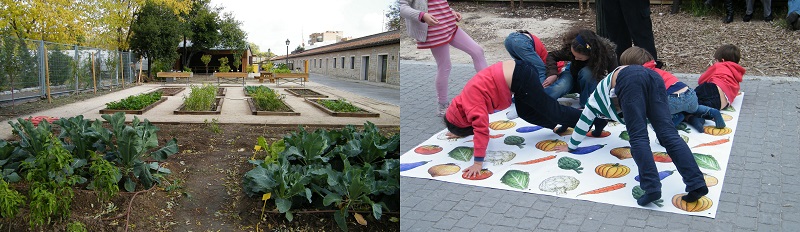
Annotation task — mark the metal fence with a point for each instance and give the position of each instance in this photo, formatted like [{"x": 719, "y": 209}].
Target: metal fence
[{"x": 71, "y": 68}]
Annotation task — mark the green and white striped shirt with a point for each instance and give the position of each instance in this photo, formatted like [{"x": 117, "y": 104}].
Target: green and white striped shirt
[{"x": 598, "y": 104}]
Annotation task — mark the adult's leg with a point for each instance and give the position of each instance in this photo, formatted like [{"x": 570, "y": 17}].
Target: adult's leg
[
  {"x": 520, "y": 47},
  {"x": 442, "y": 56},
  {"x": 463, "y": 42},
  {"x": 587, "y": 84},
  {"x": 748, "y": 8},
  {"x": 640, "y": 26},
  {"x": 561, "y": 86},
  {"x": 529, "y": 91},
  {"x": 767, "y": 4},
  {"x": 617, "y": 28}
]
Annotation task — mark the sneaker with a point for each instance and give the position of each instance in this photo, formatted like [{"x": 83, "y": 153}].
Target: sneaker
[
  {"x": 442, "y": 109},
  {"x": 747, "y": 18}
]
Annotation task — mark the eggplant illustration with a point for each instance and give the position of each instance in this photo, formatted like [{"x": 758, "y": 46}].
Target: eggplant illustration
[
  {"x": 409, "y": 166},
  {"x": 528, "y": 129},
  {"x": 661, "y": 175},
  {"x": 587, "y": 149}
]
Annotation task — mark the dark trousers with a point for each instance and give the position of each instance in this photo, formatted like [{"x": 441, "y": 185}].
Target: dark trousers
[
  {"x": 643, "y": 97},
  {"x": 626, "y": 21},
  {"x": 533, "y": 104}
]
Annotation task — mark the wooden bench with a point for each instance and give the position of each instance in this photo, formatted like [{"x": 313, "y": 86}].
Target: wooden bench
[
  {"x": 175, "y": 75},
  {"x": 297, "y": 78},
  {"x": 228, "y": 75}
]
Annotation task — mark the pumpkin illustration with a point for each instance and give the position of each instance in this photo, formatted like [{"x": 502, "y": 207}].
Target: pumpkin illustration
[
  {"x": 502, "y": 125},
  {"x": 622, "y": 153},
  {"x": 727, "y": 117},
  {"x": 443, "y": 169},
  {"x": 612, "y": 170},
  {"x": 716, "y": 131},
  {"x": 701, "y": 204},
  {"x": 710, "y": 180},
  {"x": 549, "y": 145}
]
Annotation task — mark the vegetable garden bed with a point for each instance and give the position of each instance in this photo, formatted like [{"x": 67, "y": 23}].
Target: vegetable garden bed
[
  {"x": 256, "y": 111},
  {"x": 355, "y": 111},
  {"x": 136, "y": 104},
  {"x": 170, "y": 91},
  {"x": 306, "y": 93},
  {"x": 216, "y": 108}
]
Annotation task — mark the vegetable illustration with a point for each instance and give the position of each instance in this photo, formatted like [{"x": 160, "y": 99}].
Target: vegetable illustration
[
  {"x": 528, "y": 129},
  {"x": 661, "y": 175},
  {"x": 638, "y": 192},
  {"x": 428, "y": 149},
  {"x": 409, "y": 166},
  {"x": 624, "y": 136},
  {"x": 715, "y": 131},
  {"x": 587, "y": 149},
  {"x": 729, "y": 109},
  {"x": 612, "y": 170},
  {"x": 443, "y": 169},
  {"x": 571, "y": 95},
  {"x": 549, "y": 145},
  {"x": 502, "y": 125},
  {"x": 516, "y": 179},
  {"x": 701, "y": 204},
  {"x": 483, "y": 174},
  {"x": 661, "y": 157},
  {"x": 710, "y": 180},
  {"x": 684, "y": 137},
  {"x": 569, "y": 131},
  {"x": 445, "y": 136},
  {"x": 462, "y": 153},
  {"x": 499, "y": 157},
  {"x": 713, "y": 143},
  {"x": 567, "y": 163},
  {"x": 622, "y": 153},
  {"x": 491, "y": 137},
  {"x": 533, "y": 161},
  {"x": 727, "y": 117},
  {"x": 559, "y": 184},
  {"x": 515, "y": 140},
  {"x": 605, "y": 189},
  {"x": 603, "y": 134},
  {"x": 683, "y": 127},
  {"x": 706, "y": 161}
]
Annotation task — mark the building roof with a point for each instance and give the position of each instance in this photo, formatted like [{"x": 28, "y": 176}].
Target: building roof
[{"x": 389, "y": 37}]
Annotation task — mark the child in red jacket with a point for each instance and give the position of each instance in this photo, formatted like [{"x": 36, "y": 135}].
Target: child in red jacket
[
  {"x": 719, "y": 85},
  {"x": 682, "y": 99}
]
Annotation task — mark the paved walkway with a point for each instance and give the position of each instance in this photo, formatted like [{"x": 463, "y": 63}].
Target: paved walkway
[
  {"x": 379, "y": 99},
  {"x": 759, "y": 194}
]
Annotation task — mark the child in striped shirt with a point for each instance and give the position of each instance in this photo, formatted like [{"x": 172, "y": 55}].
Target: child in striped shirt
[{"x": 634, "y": 95}]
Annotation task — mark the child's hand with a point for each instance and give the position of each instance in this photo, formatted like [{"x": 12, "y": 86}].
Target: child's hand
[
  {"x": 473, "y": 170},
  {"x": 549, "y": 81},
  {"x": 561, "y": 148},
  {"x": 452, "y": 136},
  {"x": 429, "y": 19},
  {"x": 458, "y": 16}
]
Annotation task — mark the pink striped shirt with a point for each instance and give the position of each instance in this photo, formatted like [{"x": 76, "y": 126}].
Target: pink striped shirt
[{"x": 443, "y": 32}]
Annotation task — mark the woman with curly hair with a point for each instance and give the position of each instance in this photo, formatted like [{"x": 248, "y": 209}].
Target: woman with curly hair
[{"x": 590, "y": 58}]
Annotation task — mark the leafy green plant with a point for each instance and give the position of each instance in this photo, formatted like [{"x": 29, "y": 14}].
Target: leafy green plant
[
  {"x": 105, "y": 176},
  {"x": 266, "y": 99},
  {"x": 51, "y": 176},
  {"x": 76, "y": 226},
  {"x": 187, "y": 69},
  {"x": 223, "y": 65},
  {"x": 340, "y": 105},
  {"x": 78, "y": 136},
  {"x": 201, "y": 98},
  {"x": 10, "y": 200},
  {"x": 213, "y": 126},
  {"x": 10, "y": 160},
  {"x": 135, "y": 102}
]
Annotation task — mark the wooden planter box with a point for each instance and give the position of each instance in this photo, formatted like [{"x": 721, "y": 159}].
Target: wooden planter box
[
  {"x": 217, "y": 109},
  {"x": 306, "y": 93},
  {"x": 274, "y": 113},
  {"x": 170, "y": 91},
  {"x": 363, "y": 114},
  {"x": 145, "y": 109}
]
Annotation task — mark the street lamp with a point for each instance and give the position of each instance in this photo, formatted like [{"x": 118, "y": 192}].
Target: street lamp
[{"x": 287, "y": 53}]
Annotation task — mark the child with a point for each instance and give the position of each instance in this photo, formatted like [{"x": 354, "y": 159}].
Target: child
[
  {"x": 719, "y": 85},
  {"x": 491, "y": 90},
  {"x": 638, "y": 94},
  {"x": 523, "y": 45},
  {"x": 681, "y": 98},
  {"x": 590, "y": 57},
  {"x": 433, "y": 24}
]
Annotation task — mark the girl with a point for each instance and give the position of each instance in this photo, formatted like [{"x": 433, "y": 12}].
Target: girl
[
  {"x": 590, "y": 57},
  {"x": 522, "y": 45},
  {"x": 491, "y": 90},
  {"x": 639, "y": 94},
  {"x": 719, "y": 85},
  {"x": 432, "y": 23}
]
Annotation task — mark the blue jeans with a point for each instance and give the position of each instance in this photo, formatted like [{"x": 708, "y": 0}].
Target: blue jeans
[
  {"x": 533, "y": 105},
  {"x": 566, "y": 84},
  {"x": 686, "y": 102},
  {"x": 643, "y": 98},
  {"x": 520, "y": 47}
]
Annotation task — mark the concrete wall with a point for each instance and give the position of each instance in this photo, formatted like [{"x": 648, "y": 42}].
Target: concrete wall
[{"x": 324, "y": 64}]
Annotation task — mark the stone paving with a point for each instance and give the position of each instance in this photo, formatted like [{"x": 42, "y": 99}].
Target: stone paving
[{"x": 759, "y": 192}]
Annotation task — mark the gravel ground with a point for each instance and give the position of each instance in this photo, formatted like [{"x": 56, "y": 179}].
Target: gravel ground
[{"x": 685, "y": 42}]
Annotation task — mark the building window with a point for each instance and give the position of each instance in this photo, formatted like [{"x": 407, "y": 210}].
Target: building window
[
  {"x": 315, "y": 63},
  {"x": 334, "y": 62},
  {"x": 352, "y": 62},
  {"x": 342, "y": 62}
]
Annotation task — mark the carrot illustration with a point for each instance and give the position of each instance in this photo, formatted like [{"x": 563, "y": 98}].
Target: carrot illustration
[
  {"x": 605, "y": 189},
  {"x": 713, "y": 143},
  {"x": 533, "y": 161},
  {"x": 493, "y": 136}
]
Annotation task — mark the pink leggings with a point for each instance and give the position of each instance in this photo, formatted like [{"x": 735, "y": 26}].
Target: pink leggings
[{"x": 441, "y": 54}]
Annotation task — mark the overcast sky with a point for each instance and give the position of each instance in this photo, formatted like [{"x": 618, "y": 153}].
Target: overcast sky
[{"x": 269, "y": 23}]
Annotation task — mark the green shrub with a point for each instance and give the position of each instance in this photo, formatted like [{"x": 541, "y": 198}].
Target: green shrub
[
  {"x": 201, "y": 98},
  {"x": 339, "y": 105}
]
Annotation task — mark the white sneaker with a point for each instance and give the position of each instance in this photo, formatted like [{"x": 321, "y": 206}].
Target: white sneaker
[
  {"x": 442, "y": 109},
  {"x": 512, "y": 113}
]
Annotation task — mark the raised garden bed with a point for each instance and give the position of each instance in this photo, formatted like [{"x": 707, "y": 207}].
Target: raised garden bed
[
  {"x": 255, "y": 111},
  {"x": 216, "y": 108},
  {"x": 136, "y": 104},
  {"x": 145, "y": 109},
  {"x": 359, "y": 113},
  {"x": 170, "y": 91},
  {"x": 306, "y": 93}
]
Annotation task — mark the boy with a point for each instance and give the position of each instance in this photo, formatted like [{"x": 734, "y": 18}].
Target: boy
[{"x": 719, "y": 85}]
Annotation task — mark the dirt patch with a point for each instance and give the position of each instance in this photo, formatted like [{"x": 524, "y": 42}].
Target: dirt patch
[
  {"x": 306, "y": 93},
  {"x": 686, "y": 43},
  {"x": 9, "y": 112},
  {"x": 170, "y": 91}
]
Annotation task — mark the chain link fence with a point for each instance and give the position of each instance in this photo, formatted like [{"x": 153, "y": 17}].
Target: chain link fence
[{"x": 24, "y": 70}]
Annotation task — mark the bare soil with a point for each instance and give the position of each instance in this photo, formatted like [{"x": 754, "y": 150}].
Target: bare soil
[
  {"x": 203, "y": 193},
  {"x": 170, "y": 91},
  {"x": 306, "y": 93},
  {"x": 685, "y": 42}
]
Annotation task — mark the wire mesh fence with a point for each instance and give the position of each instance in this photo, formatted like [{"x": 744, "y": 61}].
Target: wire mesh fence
[{"x": 27, "y": 66}]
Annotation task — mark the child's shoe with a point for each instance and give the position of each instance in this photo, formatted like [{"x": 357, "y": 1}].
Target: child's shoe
[
  {"x": 695, "y": 195},
  {"x": 442, "y": 109}
]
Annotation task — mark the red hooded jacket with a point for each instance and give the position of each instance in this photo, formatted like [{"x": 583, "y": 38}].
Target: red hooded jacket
[
  {"x": 669, "y": 79},
  {"x": 726, "y": 75},
  {"x": 541, "y": 50},
  {"x": 486, "y": 92}
]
